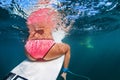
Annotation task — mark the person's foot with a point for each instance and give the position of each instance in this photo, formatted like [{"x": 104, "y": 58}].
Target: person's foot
[{"x": 64, "y": 75}]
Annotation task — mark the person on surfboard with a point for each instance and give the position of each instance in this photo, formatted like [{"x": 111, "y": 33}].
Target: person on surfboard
[{"x": 40, "y": 45}]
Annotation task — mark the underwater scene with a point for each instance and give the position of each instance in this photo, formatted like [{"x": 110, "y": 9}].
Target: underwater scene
[{"x": 94, "y": 38}]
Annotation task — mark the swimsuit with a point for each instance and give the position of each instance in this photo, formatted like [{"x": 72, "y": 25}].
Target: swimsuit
[{"x": 37, "y": 49}]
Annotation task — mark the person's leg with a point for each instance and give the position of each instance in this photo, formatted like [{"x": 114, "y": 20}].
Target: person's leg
[{"x": 58, "y": 50}]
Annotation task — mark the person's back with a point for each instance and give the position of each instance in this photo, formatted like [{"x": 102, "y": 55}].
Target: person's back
[{"x": 40, "y": 33}]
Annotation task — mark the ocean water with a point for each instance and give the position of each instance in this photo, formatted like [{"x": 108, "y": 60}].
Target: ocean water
[{"x": 94, "y": 38}]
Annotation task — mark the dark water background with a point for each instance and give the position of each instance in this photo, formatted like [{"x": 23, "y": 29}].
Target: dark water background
[
  {"x": 11, "y": 45},
  {"x": 94, "y": 53}
]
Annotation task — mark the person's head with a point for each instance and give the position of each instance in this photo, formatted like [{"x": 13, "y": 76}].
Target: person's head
[{"x": 44, "y": 17}]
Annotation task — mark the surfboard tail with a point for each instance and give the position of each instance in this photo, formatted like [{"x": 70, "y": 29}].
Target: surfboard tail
[{"x": 28, "y": 70}]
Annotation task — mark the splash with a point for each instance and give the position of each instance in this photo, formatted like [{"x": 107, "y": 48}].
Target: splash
[
  {"x": 76, "y": 10},
  {"x": 71, "y": 9},
  {"x": 80, "y": 8},
  {"x": 59, "y": 35}
]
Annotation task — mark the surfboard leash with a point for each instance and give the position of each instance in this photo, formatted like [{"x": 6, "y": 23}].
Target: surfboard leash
[{"x": 77, "y": 75}]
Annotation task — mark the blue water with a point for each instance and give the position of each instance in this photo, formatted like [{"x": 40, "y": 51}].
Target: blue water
[{"x": 94, "y": 40}]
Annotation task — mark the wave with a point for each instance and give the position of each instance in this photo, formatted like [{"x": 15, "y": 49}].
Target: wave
[
  {"x": 89, "y": 15},
  {"x": 72, "y": 9}
]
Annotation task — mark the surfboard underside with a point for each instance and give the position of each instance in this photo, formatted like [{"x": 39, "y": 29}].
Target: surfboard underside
[{"x": 28, "y": 70}]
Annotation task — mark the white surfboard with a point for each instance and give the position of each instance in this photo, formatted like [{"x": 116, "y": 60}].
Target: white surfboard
[{"x": 28, "y": 70}]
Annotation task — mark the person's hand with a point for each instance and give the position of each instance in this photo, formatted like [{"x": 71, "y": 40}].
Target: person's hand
[{"x": 64, "y": 75}]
